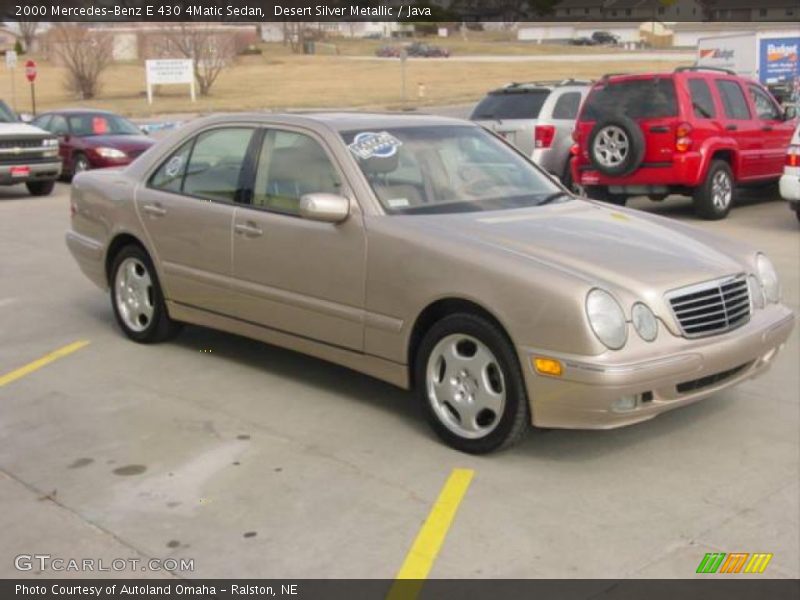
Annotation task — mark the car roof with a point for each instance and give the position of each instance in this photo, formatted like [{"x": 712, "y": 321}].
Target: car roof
[
  {"x": 79, "y": 111},
  {"x": 343, "y": 120},
  {"x": 516, "y": 87}
]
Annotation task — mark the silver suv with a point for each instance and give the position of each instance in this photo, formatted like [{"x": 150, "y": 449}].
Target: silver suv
[{"x": 538, "y": 118}]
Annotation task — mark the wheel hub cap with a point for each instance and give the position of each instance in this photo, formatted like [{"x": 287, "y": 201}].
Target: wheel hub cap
[
  {"x": 721, "y": 190},
  {"x": 465, "y": 385},
  {"x": 133, "y": 290}
]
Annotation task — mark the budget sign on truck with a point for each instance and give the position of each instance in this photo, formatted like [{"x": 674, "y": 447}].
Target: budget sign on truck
[{"x": 769, "y": 57}]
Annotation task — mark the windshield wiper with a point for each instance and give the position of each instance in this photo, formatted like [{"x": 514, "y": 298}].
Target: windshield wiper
[{"x": 554, "y": 196}]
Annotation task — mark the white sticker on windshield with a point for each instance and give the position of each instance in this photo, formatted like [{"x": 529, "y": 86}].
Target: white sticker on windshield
[
  {"x": 369, "y": 144},
  {"x": 174, "y": 166},
  {"x": 397, "y": 202}
]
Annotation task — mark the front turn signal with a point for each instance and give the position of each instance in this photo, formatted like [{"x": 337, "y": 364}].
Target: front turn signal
[{"x": 547, "y": 366}]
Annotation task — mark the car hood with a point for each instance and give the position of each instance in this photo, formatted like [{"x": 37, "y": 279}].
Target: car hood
[
  {"x": 619, "y": 247},
  {"x": 20, "y": 129},
  {"x": 121, "y": 142}
]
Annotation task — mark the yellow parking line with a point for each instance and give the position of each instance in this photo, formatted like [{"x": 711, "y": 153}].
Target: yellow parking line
[
  {"x": 41, "y": 362},
  {"x": 430, "y": 538}
]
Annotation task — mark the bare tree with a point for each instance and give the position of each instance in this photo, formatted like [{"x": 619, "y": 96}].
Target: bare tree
[
  {"x": 27, "y": 31},
  {"x": 210, "y": 48},
  {"x": 85, "y": 54}
]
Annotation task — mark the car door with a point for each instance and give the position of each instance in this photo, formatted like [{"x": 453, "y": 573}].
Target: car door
[
  {"x": 187, "y": 208},
  {"x": 58, "y": 126},
  {"x": 741, "y": 126},
  {"x": 776, "y": 131},
  {"x": 293, "y": 274}
]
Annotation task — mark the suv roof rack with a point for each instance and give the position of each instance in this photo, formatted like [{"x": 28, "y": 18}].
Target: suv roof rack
[
  {"x": 547, "y": 83},
  {"x": 703, "y": 68},
  {"x": 609, "y": 75}
]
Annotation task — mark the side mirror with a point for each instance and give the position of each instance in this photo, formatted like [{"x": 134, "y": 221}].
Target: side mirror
[
  {"x": 790, "y": 113},
  {"x": 144, "y": 130},
  {"x": 329, "y": 208}
]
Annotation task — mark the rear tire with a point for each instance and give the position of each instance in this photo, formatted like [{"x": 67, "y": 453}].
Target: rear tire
[
  {"x": 137, "y": 299},
  {"x": 470, "y": 385},
  {"x": 714, "y": 198},
  {"x": 40, "y": 188}
]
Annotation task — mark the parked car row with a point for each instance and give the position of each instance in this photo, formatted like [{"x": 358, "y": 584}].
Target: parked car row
[
  {"x": 598, "y": 38},
  {"x": 696, "y": 131},
  {"x": 63, "y": 143},
  {"x": 414, "y": 49}
]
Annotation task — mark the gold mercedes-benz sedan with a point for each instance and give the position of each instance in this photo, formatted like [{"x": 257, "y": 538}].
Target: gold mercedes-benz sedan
[{"x": 427, "y": 252}]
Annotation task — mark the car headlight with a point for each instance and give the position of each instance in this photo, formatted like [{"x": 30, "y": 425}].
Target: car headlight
[
  {"x": 110, "y": 153},
  {"x": 768, "y": 278},
  {"x": 606, "y": 319},
  {"x": 644, "y": 321},
  {"x": 50, "y": 142},
  {"x": 757, "y": 299}
]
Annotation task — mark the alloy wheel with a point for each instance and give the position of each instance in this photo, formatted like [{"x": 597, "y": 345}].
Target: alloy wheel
[{"x": 465, "y": 385}]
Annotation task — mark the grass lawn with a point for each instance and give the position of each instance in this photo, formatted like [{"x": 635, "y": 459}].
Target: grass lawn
[{"x": 278, "y": 79}]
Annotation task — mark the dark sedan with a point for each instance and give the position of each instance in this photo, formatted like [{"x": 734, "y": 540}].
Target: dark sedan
[{"x": 93, "y": 139}]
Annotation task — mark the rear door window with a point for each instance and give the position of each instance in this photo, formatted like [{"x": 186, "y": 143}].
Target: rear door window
[
  {"x": 633, "y": 98},
  {"x": 702, "y": 101},
  {"x": 510, "y": 105},
  {"x": 567, "y": 106},
  {"x": 216, "y": 163},
  {"x": 733, "y": 100}
]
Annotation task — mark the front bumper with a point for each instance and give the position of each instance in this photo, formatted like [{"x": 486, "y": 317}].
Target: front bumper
[
  {"x": 33, "y": 171},
  {"x": 584, "y": 396},
  {"x": 790, "y": 187}
]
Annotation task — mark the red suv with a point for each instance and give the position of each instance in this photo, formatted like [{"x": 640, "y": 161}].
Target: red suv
[{"x": 696, "y": 131}]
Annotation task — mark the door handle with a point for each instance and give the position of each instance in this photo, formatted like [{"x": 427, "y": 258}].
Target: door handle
[
  {"x": 766, "y": 128},
  {"x": 659, "y": 129},
  {"x": 155, "y": 210},
  {"x": 731, "y": 127},
  {"x": 248, "y": 229}
]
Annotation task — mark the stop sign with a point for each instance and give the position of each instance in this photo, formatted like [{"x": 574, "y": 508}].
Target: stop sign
[{"x": 30, "y": 70}]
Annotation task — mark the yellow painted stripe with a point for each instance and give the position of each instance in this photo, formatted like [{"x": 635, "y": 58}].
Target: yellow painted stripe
[
  {"x": 41, "y": 362},
  {"x": 423, "y": 553}
]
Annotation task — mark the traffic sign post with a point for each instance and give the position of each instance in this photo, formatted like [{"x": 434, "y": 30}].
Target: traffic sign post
[
  {"x": 11, "y": 65},
  {"x": 30, "y": 74}
]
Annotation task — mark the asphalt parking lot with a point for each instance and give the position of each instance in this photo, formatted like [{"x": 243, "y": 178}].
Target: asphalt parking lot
[{"x": 259, "y": 462}]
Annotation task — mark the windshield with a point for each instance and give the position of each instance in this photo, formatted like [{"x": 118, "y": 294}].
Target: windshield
[
  {"x": 101, "y": 124},
  {"x": 510, "y": 105},
  {"x": 6, "y": 114},
  {"x": 444, "y": 169}
]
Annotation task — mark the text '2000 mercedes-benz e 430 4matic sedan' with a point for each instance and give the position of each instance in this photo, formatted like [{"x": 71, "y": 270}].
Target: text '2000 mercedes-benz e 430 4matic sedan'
[{"x": 427, "y": 252}]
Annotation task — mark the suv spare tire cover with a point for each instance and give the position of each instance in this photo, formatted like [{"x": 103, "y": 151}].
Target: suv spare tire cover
[{"x": 621, "y": 149}]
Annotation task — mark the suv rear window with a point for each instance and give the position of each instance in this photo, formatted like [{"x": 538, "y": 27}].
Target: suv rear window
[
  {"x": 510, "y": 105},
  {"x": 635, "y": 98}
]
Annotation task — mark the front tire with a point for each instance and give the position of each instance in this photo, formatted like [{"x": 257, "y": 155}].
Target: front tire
[
  {"x": 40, "y": 188},
  {"x": 470, "y": 385},
  {"x": 80, "y": 163},
  {"x": 714, "y": 198},
  {"x": 137, "y": 299}
]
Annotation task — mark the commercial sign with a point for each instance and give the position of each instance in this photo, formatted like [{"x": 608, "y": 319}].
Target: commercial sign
[
  {"x": 167, "y": 72},
  {"x": 779, "y": 59}
]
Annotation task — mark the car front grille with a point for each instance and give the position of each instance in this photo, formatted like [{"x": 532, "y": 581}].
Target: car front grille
[
  {"x": 22, "y": 149},
  {"x": 713, "y": 307},
  {"x": 21, "y": 143},
  {"x": 709, "y": 380}
]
